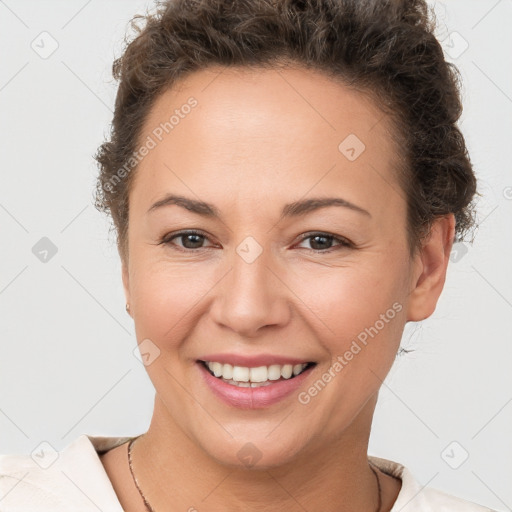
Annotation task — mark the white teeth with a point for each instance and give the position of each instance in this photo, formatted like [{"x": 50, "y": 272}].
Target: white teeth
[
  {"x": 247, "y": 384},
  {"x": 227, "y": 371},
  {"x": 241, "y": 373},
  {"x": 286, "y": 371},
  {"x": 274, "y": 372},
  {"x": 297, "y": 369},
  {"x": 259, "y": 374},
  {"x": 254, "y": 377},
  {"x": 217, "y": 369}
]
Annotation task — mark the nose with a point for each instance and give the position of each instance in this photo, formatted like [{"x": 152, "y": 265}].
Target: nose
[{"x": 252, "y": 295}]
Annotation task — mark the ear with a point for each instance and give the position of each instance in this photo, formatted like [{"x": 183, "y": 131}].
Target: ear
[
  {"x": 430, "y": 265},
  {"x": 126, "y": 282}
]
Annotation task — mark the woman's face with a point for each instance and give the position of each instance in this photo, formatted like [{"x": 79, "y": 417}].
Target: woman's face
[{"x": 263, "y": 149}]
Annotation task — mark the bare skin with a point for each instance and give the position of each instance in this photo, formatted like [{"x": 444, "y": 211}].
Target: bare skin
[{"x": 258, "y": 140}]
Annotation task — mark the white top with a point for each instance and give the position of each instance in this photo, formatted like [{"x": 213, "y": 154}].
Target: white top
[{"x": 74, "y": 480}]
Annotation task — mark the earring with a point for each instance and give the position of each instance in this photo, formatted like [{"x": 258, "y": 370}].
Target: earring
[{"x": 128, "y": 308}]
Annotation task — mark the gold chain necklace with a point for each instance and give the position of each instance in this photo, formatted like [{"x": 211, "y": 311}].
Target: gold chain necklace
[{"x": 149, "y": 508}]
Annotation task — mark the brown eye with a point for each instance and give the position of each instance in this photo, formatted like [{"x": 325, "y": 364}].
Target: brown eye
[
  {"x": 190, "y": 240},
  {"x": 323, "y": 242}
]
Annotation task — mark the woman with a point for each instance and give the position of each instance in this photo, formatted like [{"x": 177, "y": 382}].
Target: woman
[{"x": 286, "y": 180}]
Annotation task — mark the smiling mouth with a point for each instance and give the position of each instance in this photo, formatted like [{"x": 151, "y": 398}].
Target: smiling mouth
[{"x": 244, "y": 376}]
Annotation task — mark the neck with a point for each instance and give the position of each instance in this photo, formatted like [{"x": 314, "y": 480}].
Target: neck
[{"x": 335, "y": 476}]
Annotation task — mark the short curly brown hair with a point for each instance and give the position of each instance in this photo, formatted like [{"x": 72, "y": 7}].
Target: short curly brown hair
[{"x": 385, "y": 48}]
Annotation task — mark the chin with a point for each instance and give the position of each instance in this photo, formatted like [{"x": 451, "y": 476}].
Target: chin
[{"x": 251, "y": 452}]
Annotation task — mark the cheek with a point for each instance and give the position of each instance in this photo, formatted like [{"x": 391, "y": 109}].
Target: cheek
[
  {"x": 167, "y": 298},
  {"x": 358, "y": 318},
  {"x": 345, "y": 301}
]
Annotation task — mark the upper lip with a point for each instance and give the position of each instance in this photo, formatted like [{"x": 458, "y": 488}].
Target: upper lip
[{"x": 253, "y": 361}]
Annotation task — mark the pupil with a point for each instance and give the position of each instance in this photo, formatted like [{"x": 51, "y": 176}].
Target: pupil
[
  {"x": 197, "y": 242},
  {"x": 321, "y": 237}
]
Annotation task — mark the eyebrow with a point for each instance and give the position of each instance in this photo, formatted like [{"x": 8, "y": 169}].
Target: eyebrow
[{"x": 294, "y": 209}]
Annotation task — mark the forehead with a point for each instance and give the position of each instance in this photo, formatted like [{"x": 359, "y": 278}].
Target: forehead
[
  {"x": 285, "y": 96},
  {"x": 255, "y": 127}
]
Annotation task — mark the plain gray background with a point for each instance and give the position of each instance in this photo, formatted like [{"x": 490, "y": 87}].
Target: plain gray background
[{"x": 67, "y": 365}]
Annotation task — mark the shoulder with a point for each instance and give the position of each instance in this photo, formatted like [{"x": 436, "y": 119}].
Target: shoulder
[
  {"x": 441, "y": 501},
  {"x": 49, "y": 480},
  {"x": 414, "y": 497}
]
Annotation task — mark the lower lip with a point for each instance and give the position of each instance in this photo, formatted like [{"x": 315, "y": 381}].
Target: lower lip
[{"x": 252, "y": 398}]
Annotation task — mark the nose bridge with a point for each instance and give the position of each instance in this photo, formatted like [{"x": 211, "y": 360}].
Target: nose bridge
[{"x": 251, "y": 296}]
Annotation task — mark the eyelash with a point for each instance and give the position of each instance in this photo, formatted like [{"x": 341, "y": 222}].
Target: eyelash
[{"x": 343, "y": 242}]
